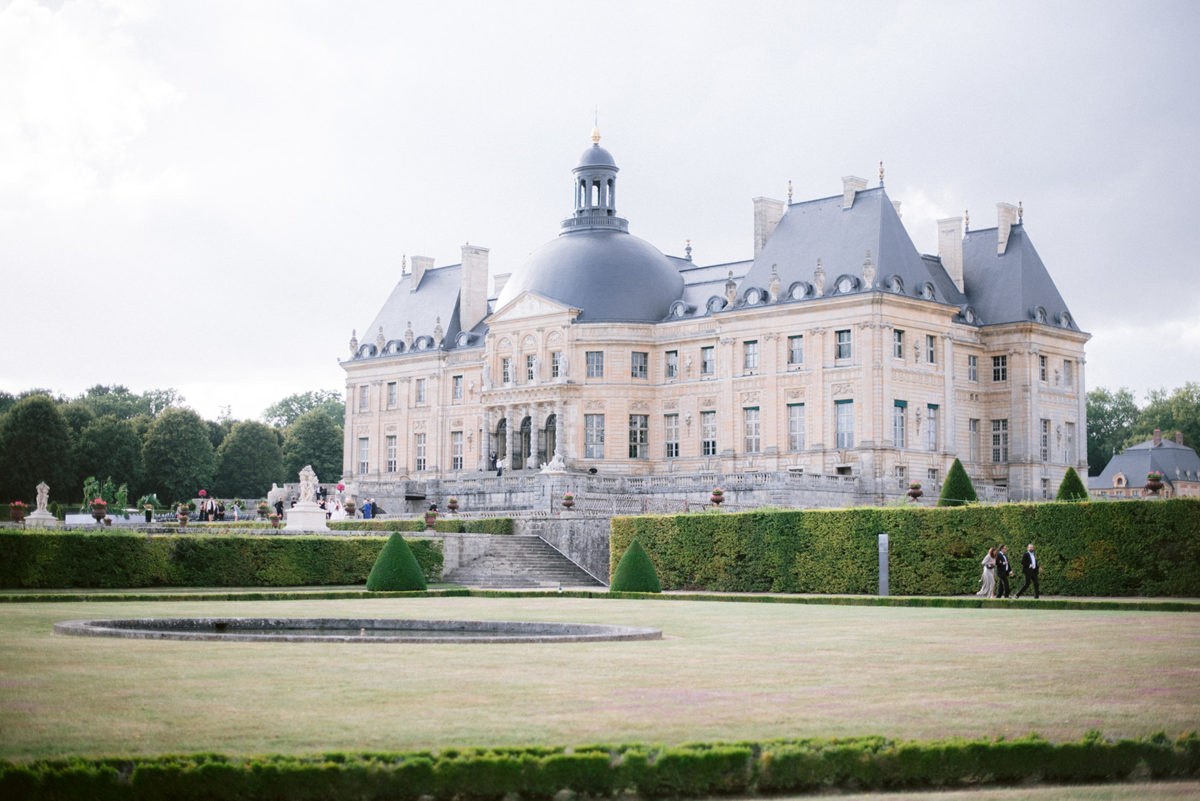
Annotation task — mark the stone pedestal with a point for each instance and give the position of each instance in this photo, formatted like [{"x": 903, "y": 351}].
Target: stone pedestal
[
  {"x": 305, "y": 516},
  {"x": 41, "y": 520}
]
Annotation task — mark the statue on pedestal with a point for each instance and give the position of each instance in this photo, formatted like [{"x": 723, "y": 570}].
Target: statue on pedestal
[
  {"x": 308, "y": 485},
  {"x": 43, "y": 497}
]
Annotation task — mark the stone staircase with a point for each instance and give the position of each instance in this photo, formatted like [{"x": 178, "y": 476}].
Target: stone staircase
[{"x": 520, "y": 562}]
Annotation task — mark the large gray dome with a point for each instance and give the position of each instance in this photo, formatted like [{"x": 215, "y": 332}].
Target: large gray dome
[{"x": 607, "y": 274}]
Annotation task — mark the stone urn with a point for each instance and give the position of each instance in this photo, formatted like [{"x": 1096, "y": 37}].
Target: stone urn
[
  {"x": 568, "y": 501},
  {"x": 350, "y": 508},
  {"x": 17, "y": 512},
  {"x": 274, "y": 520},
  {"x": 108, "y": 521},
  {"x": 718, "y": 497},
  {"x": 430, "y": 519},
  {"x": 914, "y": 491},
  {"x": 1154, "y": 482},
  {"x": 183, "y": 521},
  {"x": 263, "y": 509},
  {"x": 99, "y": 510},
  {"x": 452, "y": 504}
]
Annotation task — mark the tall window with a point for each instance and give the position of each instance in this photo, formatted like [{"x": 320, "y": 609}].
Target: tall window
[
  {"x": 506, "y": 373},
  {"x": 750, "y": 356},
  {"x": 593, "y": 436},
  {"x": 999, "y": 441},
  {"x": 795, "y": 350},
  {"x": 556, "y": 364},
  {"x": 750, "y": 429},
  {"x": 932, "y": 427},
  {"x": 391, "y": 454},
  {"x": 530, "y": 368},
  {"x": 1045, "y": 441},
  {"x": 364, "y": 398},
  {"x": 899, "y": 422},
  {"x": 708, "y": 361},
  {"x": 845, "y": 424},
  {"x": 973, "y": 439},
  {"x": 672, "y": 363},
  {"x": 456, "y": 450},
  {"x": 419, "y": 450},
  {"x": 421, "y": 390},
  {"x": 796, "y": 427},
  {"x": 972, "y": 368},
  {"x": 364, "y": 453},
  {"x": 1043, "y": 371},
  {"x": 638, "y": 364},
  {"x": 842, "y": 344},
  {"x": 457, "y": 385},
  {"x": 391, "y": 394},
  {"x": 671, "y": 434},
  {"x": 931, "y": 348},
  {"x": 639, "y": 436},
  {"x": 708, "y": 433},
  {"x": 1069, "y": 443},
  {"x": 595, "y": 364},
  {"x": 1069, "y": 373},
  {"x": 999, "y": 368},
  {"x": 898, "y": 344}
]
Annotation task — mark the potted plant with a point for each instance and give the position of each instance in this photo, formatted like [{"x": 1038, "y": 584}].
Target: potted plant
[
  {"x": 17, "y": 510},
  {"x": 1154, "y": 482},
  {"x": 108, "y": 520},
  {"x": 99, "y": 509},
  {"x": 568, "y": 501},
  {"x": 452, "y": 504},
  {"x": 182, "y": 515},
  {"x": 430, "y": 519},
  {"x": 263, "y": 509},
  {"x": 147, "y": 503},
  {"x": 349, "y": 507},
  {"x": 718, "y": 496},
  {"x": 273, "y": 519},
  {"x": 914, "y": 491}
]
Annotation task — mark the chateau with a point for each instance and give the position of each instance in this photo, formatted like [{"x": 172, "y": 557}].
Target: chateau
[{"x": 837, "y": 353}]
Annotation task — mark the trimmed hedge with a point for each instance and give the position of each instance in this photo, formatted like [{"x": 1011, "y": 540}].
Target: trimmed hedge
[
  {"x": 1148, "y": 548},
  {"x": 396, "y": 570},
  {"x": 1071, "y": 488},
  {"x": 116, "y": 559},
  {"x": 635, "y": 573},
  {"x": 691, "y": 770},
  {"x": 484, "y": 525}
]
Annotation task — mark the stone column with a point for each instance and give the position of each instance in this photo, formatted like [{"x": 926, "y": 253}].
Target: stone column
[
  {"x": 560, "y": 430},
  {"x": 512, "y": 434}
]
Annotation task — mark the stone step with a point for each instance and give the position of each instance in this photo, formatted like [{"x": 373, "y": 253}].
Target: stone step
[{"x": 520, "y": 562}]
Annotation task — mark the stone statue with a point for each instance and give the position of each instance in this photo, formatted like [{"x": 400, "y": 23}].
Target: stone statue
[
  {"x": 275, "y": 494},
  {"x": 43, "y": 496},
  {"x": 869, "y": 271},
  {"x": 409, "y": 336},
  {"x": 819, "y": 279},
  {"x": 537, "y": 370},
  {"x": 556, "y": 464},
  {"x": 308, "y": 485},
  {"x": 487, "y": 376},
  {"x": 562, "y": 366}
]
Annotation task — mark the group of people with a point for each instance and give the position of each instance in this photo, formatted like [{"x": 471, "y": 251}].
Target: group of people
[
  {"x": 212, "y": 510},
  {"x": 997, "y": 572}
]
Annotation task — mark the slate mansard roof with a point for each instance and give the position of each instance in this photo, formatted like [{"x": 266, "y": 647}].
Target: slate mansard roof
[
  {"x": 1176, "y": 463},
  {"x": 597, "y": 267}
]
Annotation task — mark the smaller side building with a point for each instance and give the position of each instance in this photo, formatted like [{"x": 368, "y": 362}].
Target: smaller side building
[{"x": 1125, "y": 475}]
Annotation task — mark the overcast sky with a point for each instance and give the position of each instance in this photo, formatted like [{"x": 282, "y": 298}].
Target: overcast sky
[{"x": 211, "y": 195}]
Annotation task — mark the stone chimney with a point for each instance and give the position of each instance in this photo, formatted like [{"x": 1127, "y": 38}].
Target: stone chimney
[
  {"x": 1178, "y": 437},
  {"x": 1006, "y": 215},
  {"x": 501, "y": 280},
  {"x": 472, "y": 296},
  {"x": 950, "y": 249},
  {"x": 1157, "y": 437},
  {"x": 767, "y": 214},
  {"x": 850, "y": 187},
  {"x": 419, "y": 264}
]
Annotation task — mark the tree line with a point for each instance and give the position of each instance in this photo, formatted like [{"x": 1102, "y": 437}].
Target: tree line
[
  {"x": 1115, "y": 421},
  {"x": 154, "y": 444}
]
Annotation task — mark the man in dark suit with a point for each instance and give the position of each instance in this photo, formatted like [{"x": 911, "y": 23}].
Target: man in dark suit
[
  {"x": 1029, "y": 566},
  {"x": 1003, "y": 571}
]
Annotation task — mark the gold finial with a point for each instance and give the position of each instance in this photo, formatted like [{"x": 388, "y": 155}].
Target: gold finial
[
  {"x": 967, "y": 219},
  {"x": 404, "y": 264},
  {"x": 688, "y": 250},
  {"x": 1020, "y": 212},
  {"x": 789, "y": 190},
  {"x": 595, "y": 134},
  {"x": 881, "y": 173}
]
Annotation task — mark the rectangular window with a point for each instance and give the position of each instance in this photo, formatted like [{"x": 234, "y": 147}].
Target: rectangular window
[
  {"x": 556, "y": 364},
  {"x": 931, "y": 349},
  {"x": 972, "y": 368},
  {"x": 845, "y": 424},
  {"x": 419, "y": 450},
  {"x": 795, "y": 351},
  {"x": 391, "y": 454},
  {"x": 671, "y": 434},
  {"x": 750, "y": 356},
  {"x": 1045, "y": 441},
  {"x": 842, "y": 346},
  {"x": 973, "y": 439},
  {"x": 708, "y": 361},
  {"x": 1045, "y": 488},
  {"x": 1068, "y": 373},
  {"x": 593, "y": 436},
  {"x": 932, "y": 427},
  {"x": 457, "y": 385},
  {"x": 999, "y": 441},
  {"x": 899, "y": 422},
  {"x": 796, "y": 427},
  {"x": 639, "y": 364},
  {"x": 1043, "y": 373},
  {"x": 932, "y": 475},
  {"x": 391, "y": 394},
  {"x": 1069, "y": 443},
  {"x": 421, "y": 390},
  {"x": 672, "y": 364},
  {"x": 364, "y": 398},
  {"x": 750, "y": 429},
  {"x": 530, "y": 368},
  {"x": 898, "y": 344},
  {"x": 639, "y": 436},
  {"x": 708, "y": 433},
  {"x": 506, "y": 375},
  {"x": 364, "y": 453},
  {"x": 902, "y": 476},
  {"x": 999, "y": 369},
  {"x": 456, "y": 450},
  {"x": 595, "y": 364}
]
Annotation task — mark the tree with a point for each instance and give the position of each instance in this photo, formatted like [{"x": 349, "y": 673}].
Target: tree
[
  {"x": 635, "y": 572},
  {"x": 958, "y": 489},
  {"x": 1071, "y": 488},
  {"x": 177, "y": 455},
  {"x": 289, "y": 410},
  {"x": 35, "y": 446},
  {"x": 248, "y": 461},
  {"x": 110, "y": 447},
  {"x": 313, "y": 439},
  {"x": 217, "y": 431},
  {"x": 1178, "y": 411},
  {"x": 1110, "y": 418},
  {"x": 124, "y": 404},
  {"x": 396, "y": 569}
]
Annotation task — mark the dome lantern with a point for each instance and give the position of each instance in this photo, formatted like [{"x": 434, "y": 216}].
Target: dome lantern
[{"x": 595, "y": 190}]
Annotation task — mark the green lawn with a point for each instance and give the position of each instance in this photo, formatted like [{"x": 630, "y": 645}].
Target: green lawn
[{"x": 724, "y": 671}]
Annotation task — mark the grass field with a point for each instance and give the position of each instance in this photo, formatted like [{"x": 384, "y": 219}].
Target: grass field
[{"x": 723, "y": 671}]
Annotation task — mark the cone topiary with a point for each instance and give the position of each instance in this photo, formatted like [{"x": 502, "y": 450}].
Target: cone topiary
[
  {"x": 958, "y": 489},
  {"x": 396, "y": 569},
  {"x": 635, "y": 572},
  {"x": 1071, "y": 488}
]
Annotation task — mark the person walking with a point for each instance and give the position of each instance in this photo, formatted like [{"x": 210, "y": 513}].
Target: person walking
[
  {"x": 1029, "y": 566},
  {"x": 1003, "y": 571},
  {"x": 988, "y": 580}
]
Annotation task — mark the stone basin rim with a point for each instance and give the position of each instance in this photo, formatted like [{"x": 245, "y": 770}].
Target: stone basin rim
[{"x": 374, "y": 630}]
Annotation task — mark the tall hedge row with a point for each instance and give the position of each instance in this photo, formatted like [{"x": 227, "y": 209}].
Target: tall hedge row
[
  {"x": 70, "y": 559},
  {"x": 484, "y": 525},
  {"x": 1149, "y": 548}
]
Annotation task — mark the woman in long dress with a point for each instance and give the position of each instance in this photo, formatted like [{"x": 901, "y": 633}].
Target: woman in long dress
[{"x": 988, "y": 580}]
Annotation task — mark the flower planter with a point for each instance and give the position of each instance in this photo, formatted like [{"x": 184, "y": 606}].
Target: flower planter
[
  {"x": 350, "y": 508},
  {"x": 183, "y": 521},
  {"x": 17, "y": 513},
  {"x": 452, "y": 504},
  {"x": 108, "y": 522},
  {"x": 914, "y": 492},
  {"x": 718, "y": 497},
  {"x": 1154, "y": 483},
  {"x": 274, "y": 520},
  {"x": 430, "y": 519},
  {"x": 568, "y": 502}
]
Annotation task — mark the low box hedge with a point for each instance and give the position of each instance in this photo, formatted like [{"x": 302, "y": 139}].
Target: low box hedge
[{"x": 483, "y": 525}]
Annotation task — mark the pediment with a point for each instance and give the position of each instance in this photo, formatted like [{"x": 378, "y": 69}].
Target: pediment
[{"x": 526, "y": 305}]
